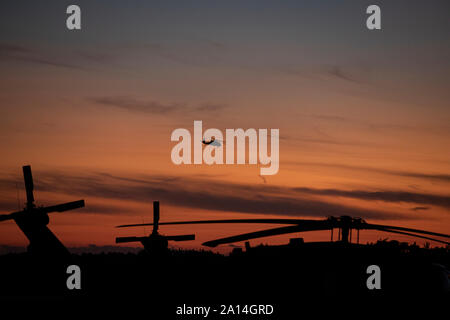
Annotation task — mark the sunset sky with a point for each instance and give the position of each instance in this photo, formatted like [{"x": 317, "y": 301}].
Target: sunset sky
[{"x": 364, "y": 116}]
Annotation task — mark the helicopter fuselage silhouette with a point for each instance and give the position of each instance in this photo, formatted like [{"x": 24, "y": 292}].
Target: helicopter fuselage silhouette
[
  {"x": 155, "y": 243},
  {"x": 33, "y": 221}
]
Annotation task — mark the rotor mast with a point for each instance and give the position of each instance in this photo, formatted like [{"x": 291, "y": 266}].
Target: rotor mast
[{"x": 29, "y": 186}]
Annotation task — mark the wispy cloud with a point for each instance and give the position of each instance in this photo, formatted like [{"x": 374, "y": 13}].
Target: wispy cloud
[
  {"x": 353, "y": 75},
  {"x": 153, "y": 106},
  {"x": 420, "y": 208},
  {"x": 198, "y": 193},
  {"x": 341, "y": 73},
  {"x": 194, "y": 52},
  {"x": 327, "y": 141},
  {"x": 82, "y": 60},
  {"x": 133, "y": 105},
  {"x": 442, "y": 177},
  {"x": 387, "y": 196},
  {"x": 25, "y": 54},
  {"x": 209, "y": 107},
  {"x": 395, "y": 127}
]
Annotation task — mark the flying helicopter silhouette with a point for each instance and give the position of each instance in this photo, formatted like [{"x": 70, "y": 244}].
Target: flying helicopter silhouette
[
  {"x": 210, "y": 141},
  {"x": 344, "y": 224},
  {"x": 213, "y": 142},
  {"x": 155, "y": 243}
]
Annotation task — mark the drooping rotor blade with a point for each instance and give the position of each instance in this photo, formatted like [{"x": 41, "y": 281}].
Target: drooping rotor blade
[
  {"x": 4, "y": 217},
  {"x": 28, "y": 184},
  {"x": 413, "y": 235},
  {"x": 318, "y": 225},
  {"x": 186, "y": 237},
  {"x": 58, "y": 208},
  {"x": 380, "y": 227},
  {"x": 64, "y": 207},
  {"x": 129, "y": 239},
  {"x": 266, "y": 221},
  {"x": 155, "y": 216}
]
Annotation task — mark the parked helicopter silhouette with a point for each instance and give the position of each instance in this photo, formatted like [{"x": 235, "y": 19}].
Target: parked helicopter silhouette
[
  {"x": 344, "y": 224},
  {"x": 156, "y": 243},
  {"x": 33, "y": 221}
]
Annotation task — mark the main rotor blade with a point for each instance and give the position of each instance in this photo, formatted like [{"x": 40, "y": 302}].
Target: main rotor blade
[
  {"x": 186, "y": 237},
  {"x": 379, "y": 227},
  {"x": 414, "y": 235},
  {"x": 57, "y": 208},
  {"x": 322, "y": 225},
  {"x": 268, "y": 221},
  {"x": 65, "y": 206},
  {"x": 5, "y": 217},
  {"x": 28, "y": 178}
]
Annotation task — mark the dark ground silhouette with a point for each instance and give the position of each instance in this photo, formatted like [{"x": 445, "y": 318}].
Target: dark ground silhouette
[{"x": 281, "y": 275}]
